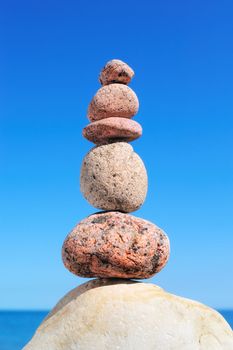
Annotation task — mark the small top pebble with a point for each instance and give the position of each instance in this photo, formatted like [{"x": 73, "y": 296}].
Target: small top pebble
[{"x": 116, "y": 71}]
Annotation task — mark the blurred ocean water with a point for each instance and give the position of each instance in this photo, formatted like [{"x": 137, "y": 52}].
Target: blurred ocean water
[{"x": 17, "y": 327}]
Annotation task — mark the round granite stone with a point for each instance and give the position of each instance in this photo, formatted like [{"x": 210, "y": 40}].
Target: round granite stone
[
  {"x": 115, "y": 100},
  {"x": 113, "y": 177},
  {"x": 112, "y": 129},
  {"x": 116, "y": 71},
  {"x": 113, "y": 244}
]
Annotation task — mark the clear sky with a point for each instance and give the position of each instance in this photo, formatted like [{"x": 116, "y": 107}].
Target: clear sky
[{"x": 51, "y": 53}]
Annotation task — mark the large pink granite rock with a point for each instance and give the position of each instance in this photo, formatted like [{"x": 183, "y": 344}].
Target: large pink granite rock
[
  {"x": 114, "y": 100},
  {"x": 112, "y": 129},
  {"x": 113, "y": 244},
  {"x": 116, "y": 71}
]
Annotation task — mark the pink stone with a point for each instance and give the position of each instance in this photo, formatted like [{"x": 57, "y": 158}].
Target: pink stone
[
  {"x": 114, "y": 100},
  {"x": 113, "y": 244},
  {"x": 116, "y": 71},
  {"x": 112, "y": 129}
]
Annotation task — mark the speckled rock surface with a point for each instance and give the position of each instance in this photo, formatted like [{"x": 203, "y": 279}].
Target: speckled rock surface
[
  {"x": 112, "y": 129},
  {"x": 116, "y": 71},
  {"x": 113, "y": 244},
  {"x": 115, "y": 100},
  {"x": 113, "y": 177},
  {"x": 125, "y": 315}
]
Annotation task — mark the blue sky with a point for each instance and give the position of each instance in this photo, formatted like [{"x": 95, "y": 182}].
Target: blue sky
[{"x": 51, "y": 53}]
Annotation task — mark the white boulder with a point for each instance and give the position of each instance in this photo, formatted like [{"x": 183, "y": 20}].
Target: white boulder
[{"x": 126, "y": 315}]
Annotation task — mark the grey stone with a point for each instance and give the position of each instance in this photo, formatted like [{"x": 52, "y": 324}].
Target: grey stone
[{"x": 113, "y": 177}]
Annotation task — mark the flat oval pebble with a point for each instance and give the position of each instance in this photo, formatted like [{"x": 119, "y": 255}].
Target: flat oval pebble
[
  {"x": 113, "y": 177},
  {"x": 115, "y": 100},
  {"x": 113, "y": 244},
  {"x": 112, "y": 129},
  {"x": 116, "y": 71}
]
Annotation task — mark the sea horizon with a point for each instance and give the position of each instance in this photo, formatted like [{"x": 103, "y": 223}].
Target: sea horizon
[{"x": 220, "y": 310}]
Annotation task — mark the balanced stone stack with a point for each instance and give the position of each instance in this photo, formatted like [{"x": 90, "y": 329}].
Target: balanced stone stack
[
  {"x": 113, "y": 311},
  {"x": 113, "y": 178}
]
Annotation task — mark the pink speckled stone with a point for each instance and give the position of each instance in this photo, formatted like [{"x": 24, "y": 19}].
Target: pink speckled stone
[
  {"x": 113, "y": 244},
  {"x": 112, "y": 129},
  {"x": 116, "y": 71},
  {"x": 114, "y": 100}
]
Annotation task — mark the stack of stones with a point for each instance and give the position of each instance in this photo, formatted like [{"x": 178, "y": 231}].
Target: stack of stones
[
  {"x": 112, "y": 243},
  {"x": 111, "y": 314}
]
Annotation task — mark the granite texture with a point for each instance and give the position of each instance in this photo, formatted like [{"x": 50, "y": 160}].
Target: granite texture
[
  {"x": 116, "y": 71},
  {"x": 113, "y": 177},
  {"x": 112, "y": 129},
  {"x": 113, "y": 244},
  {"x": 115, "y": 100}
]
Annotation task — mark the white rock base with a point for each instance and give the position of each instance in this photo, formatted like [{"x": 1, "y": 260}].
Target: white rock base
[{"x": 126, "y": 315}]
